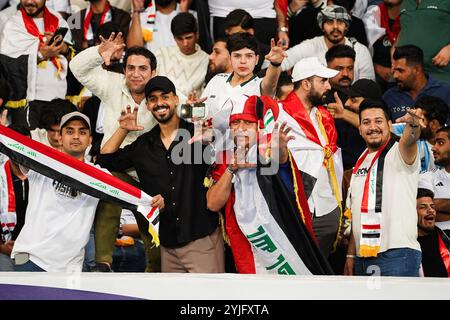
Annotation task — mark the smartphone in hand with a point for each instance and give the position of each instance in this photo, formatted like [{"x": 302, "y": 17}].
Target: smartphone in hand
[{"x": 61, "y": 31}]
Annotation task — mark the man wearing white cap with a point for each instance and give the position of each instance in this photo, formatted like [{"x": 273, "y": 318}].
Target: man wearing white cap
[
  {"x": 58, "y": 218},
  {"x": 314, "y": 149}
]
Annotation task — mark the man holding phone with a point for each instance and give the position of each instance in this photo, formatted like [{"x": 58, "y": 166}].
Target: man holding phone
[
  {"x": 164, "y": 160},
  {"x": 38, "y": 38}
]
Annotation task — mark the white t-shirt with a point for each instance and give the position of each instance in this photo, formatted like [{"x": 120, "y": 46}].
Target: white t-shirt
[
  {"x": 219, "y": 90},
  {"x": 438, "y": 181},
  {"x": 162, "y": 35},
  {"x": 399, "y": 215},
  {"x": 57, "y": 225},
  {"x": 317, "y": 47},
  {"x": 49, "y": 86},
  {"x": 256, "y": 8}
]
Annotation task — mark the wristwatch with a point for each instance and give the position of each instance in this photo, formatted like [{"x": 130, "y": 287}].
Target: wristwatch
[{"x": 283, "y": 29}]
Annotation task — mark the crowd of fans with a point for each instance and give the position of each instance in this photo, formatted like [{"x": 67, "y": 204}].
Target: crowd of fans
[{"x": 349, "y": 100}]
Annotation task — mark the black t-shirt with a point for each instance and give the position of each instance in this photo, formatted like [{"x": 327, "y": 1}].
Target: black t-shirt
[
  {"x": 175, "y": 173},
  {"x": 432, "y": 263}
]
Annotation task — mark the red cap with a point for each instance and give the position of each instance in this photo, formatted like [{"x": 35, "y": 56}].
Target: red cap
[{"x": 248, "y": 113}]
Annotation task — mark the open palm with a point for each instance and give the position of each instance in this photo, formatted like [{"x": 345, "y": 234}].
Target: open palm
[
  {"x": 108, "y": 48},
  {"x": 128, "y": 120}
]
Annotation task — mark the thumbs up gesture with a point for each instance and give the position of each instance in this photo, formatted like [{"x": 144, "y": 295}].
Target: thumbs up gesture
[{"x": 336, "y": 108}]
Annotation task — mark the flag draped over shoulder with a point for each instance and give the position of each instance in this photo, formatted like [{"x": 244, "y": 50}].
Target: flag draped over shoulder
[
  {"x": 309, "y": 153},
  {"x": 8, "y": 216},
  {"x": 18, "y": 55},
  {"x": 266, "y": 215},
  {"x": 270, "y": 218},
  {"x": 78, "y": 175}
]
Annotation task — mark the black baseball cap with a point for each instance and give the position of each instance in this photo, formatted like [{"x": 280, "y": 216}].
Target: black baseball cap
[
  {"x": 365, "y": 88},
  {"x": 159, "y": 83}
]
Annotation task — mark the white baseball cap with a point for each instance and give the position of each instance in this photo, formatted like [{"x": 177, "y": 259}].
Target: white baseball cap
[
  {"x": 309, "y": 67},
  {"x": 74, "y": 116}
]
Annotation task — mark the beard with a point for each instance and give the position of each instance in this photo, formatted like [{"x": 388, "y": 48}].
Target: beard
[
  {"x": 38, "y": 11},
  {"x": 425, "y": 229},
  {"x": 403, "y": 86},
  {"x": 333, "y": 39},
  {"x": 315, "y": 98},
  {"x": 161, "y": 118},
  {"x": 443, "y": 162},
  {"x": 163, "y": 3},
  {"x": 375, "y": 144}
]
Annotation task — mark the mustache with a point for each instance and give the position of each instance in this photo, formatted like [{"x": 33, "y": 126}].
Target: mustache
[
  {"x": 161, "y": 106},
  {"x": 373, "y": 131},
  {"x": 345, "y": 78}
]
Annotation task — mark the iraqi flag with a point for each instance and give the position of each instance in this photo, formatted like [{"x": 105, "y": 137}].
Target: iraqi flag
[
  {"x": 269, "y": 218},
  {"x": 78, "y": 175}
]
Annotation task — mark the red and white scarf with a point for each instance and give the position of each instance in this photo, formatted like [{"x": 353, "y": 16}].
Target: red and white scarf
[
  {"x": 51, "y": 23},
  {"x": 391, "y": 31},
  {"x": 88, "y": 34},
  {"x": 78, "y": 175},
  {"x": 371, "y": 203},
  {"x": 8, "y": 217}
]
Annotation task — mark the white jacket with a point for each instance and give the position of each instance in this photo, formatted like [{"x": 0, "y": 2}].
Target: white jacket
[{"x": 110, "y": 87}]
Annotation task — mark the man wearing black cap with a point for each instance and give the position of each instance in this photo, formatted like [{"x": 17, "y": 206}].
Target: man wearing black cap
[{"x": 165, "y": 161}]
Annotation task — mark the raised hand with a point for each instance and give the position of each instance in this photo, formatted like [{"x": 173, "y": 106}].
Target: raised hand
[
  {"x": 336, "y": 108},
  {"x": 296, "y": 5},
  {"x": 276, "y": 54},
  {"x": 279, "y": 141},
  {"x": 414, "y": 117},
  {"x": 4, "y": 117},
  {"x": 128, "y": 120},
  {"x": 239, "y": 161},
  {"x": 110, "y": 47}
]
